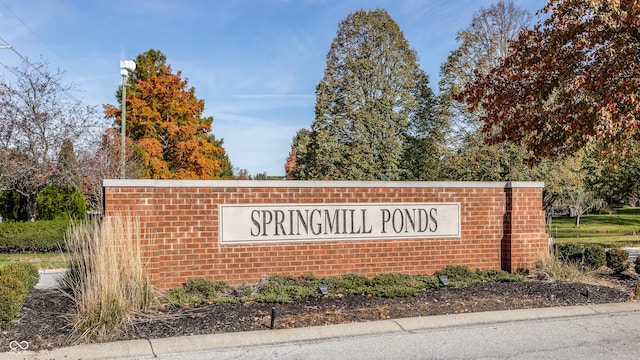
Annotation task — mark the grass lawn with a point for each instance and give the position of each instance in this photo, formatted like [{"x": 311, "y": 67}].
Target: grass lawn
[
  {"x": 53, "y": 260},
  {"x": 619, "y": 229}
]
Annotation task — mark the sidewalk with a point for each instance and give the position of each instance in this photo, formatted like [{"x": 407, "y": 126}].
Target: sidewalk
[
  {"x": 157, "y": 347},
  {"x": 49, "y": 278}
]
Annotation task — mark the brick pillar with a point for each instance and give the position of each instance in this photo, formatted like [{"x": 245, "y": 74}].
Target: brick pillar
[{"x": 524, "y": 236}]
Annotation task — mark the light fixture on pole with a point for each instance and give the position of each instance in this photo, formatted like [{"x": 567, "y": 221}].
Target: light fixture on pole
[{"x": 126, "y": 67}]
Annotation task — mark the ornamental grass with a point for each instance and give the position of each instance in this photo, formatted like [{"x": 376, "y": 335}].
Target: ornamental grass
[{"x": 106, "y": 277}]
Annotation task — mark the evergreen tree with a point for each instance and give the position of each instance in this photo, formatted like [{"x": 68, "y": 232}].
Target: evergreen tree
[
  {"x": 67, "y": 167},
  {"x": 226, "y": 169},
  {"x": 424, "y": 143},
  {"x": 295, "y": 166},
  {"x": 365, "y": 103}
]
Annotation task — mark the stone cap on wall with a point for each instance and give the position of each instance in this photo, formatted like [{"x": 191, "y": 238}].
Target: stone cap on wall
[{"x": 317, "y": 184}]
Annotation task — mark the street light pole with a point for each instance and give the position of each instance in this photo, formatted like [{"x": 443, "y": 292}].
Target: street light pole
[
  {"x": 123, "y": 131},
  {"x": 126, "y": 66}
]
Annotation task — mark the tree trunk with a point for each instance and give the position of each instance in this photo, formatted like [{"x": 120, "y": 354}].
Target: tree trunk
[{"x": 32, "y": 203}]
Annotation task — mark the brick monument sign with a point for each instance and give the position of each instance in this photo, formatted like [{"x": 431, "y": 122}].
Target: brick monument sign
[{"x": 237, "y": 231}]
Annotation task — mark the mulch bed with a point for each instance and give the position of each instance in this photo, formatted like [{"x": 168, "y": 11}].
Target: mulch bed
[{"x": 44, "y": 319}]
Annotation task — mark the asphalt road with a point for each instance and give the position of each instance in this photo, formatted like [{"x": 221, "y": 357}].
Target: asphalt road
[
  {"x": 603, "y": 336},
  {"x": 633, "y": 253}
]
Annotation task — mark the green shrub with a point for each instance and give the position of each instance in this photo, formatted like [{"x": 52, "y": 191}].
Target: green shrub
[
  {"x": 605, "y": 210},
  {"x": 204, "y": 287},
  {"x": 458, "y": 275},
  {"x": 244, "y": 290},
  {"x": 570, "y": 252},
  {"x": 285, "y": 293},
  {"x": 284, "y": 288},
  {"x": 272, "y": 298},
  {"x": 37, "y": 236},
  {"x": 287, "y": 288},
  {"x": 589, "y": 257},
  {"x": 617, "y": 260},
  {"x": 178, "y": 297},
  {"x": 25, "y": 272},
  {"x": 636, "y": 265},
  {"x": 595, "y": 257},
  {"x": 392, "y": 279},
  {"x": 13, "y": 282},
  {"x": 346, "y": 284},
  {"x": 495, "y": 275},
  {"x": 354, "y": 280},
  {"x": 404, "y": 280},
  {"x": 427, "y": 281},
  {"x": 55, "y": 202},
  {"x": 13, "y": 206},
  {"x": 12, "y": 296},
  {"x": 454, "y": 272}
]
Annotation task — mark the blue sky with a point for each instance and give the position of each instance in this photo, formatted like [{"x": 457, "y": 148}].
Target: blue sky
[{"x": 255, "y": 63}]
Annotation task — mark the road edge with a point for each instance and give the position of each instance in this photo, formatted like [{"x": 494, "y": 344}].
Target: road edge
[{"x": 155, "y": 347}]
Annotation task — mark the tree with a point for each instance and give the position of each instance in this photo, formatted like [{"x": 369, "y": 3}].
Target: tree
[
  {"x": 226, "y": 169},
  {"x": 63, "y": 199},
  {"x": 13, "y": 206},
  {"x": 243, "y": 174},
  {"x": 616, "y": 180},
  {"x": 295, "y": 166},
  {"x": 59, "y": 202},
  {"x": 37, "y": 116},
  {"x": 102, "y": 161},
  {"x": 261, "y": 176},
  {"x": 483, "y": 45},
  {"x": 364, "y": 102},
  {"x": 165, "y": 124},
  {"x": 67, "y": 166},
  {"x": 473, "y": 160},
  {"x": 570, "y": 81},
  {"x": 575, "y": 192},
  {"x": 425, "y": 139}
]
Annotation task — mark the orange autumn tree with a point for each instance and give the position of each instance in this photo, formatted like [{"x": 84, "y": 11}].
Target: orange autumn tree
[{"x": 165, "y": 124}]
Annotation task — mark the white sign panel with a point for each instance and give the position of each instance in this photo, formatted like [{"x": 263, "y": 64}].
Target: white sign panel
[{"x": 249, "y": 223}]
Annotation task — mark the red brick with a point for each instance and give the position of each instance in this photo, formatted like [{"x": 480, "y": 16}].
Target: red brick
[{"x": 182, "y": 224}]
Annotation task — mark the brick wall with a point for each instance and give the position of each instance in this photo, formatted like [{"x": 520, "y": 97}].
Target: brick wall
[{"x": 502, "y": 227}]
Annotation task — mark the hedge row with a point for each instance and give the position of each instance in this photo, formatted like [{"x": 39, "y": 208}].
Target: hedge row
[
  {"x": 16, "y": 280},
  {"x": 592, "y": 257},
  {"x": 54, "y": 202},
  {"x": 28, "y": 237}
]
